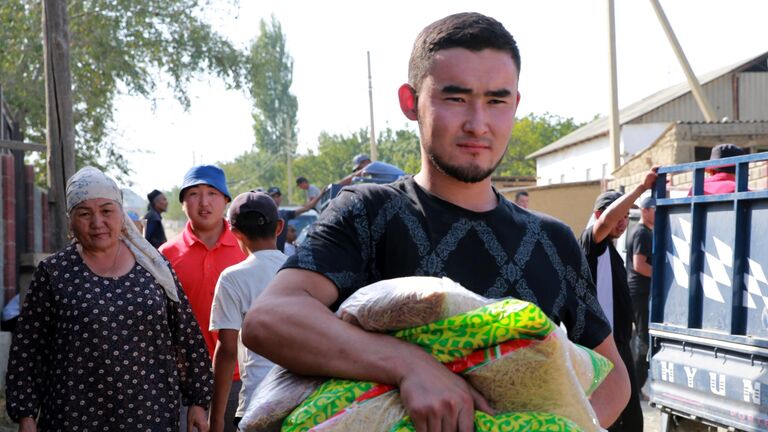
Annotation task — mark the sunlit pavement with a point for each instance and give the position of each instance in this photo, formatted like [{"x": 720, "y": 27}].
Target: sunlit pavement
[{"x": 651, "y": 418}]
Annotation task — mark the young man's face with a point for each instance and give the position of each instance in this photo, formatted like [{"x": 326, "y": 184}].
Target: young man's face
[
  {"x": 161, "y": 203},
  {"x": 303, "y": 185},
  {"x": 649, "y": 215},
  {"x": 277, "y": 198},
  {"x": 290, "y": 235},
  {"x": 620, "y": 227},
  {"x": 204, "y": 206},
  {"x": 466, "y": 111},
  {"x": 522, "y": 201}
]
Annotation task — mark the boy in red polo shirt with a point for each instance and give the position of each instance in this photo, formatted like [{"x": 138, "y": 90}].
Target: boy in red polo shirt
[{"x": 203, "y": 250}]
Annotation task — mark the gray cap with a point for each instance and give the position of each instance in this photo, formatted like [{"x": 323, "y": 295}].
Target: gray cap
[
  {"x": 647, "y": 202},
  {"x": 359, "y": 159}
]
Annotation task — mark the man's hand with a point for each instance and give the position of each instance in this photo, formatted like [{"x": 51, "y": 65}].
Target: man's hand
[
  {"x": 439, "y": 400},
  {"x": 27, "y": 424},
  {"x": 196, "y": 420},
  {"x": 650, "y": 177}
]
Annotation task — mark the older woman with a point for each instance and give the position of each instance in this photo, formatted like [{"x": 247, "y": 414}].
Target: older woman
[{"x": 106, "y": 339}]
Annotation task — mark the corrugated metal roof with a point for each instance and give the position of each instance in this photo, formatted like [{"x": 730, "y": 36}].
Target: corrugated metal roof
[{"x": 600, "y": 126}]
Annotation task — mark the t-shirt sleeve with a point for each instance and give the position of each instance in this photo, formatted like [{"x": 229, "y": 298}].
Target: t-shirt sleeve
[
  {"x": 338, "y": 245},
  {"x": 642, "y": 243},
  {"x": 226, "y": 310},
  {"x": 583, "y": 317},
  {"x": 588, "y": 245}
]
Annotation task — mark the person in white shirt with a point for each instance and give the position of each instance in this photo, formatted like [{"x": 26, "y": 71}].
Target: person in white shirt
[
  {"x": 255, "y": 222},
  {"x": 290, "y": 238}
]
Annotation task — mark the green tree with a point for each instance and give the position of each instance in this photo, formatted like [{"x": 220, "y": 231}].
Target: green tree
[
  {"x": 331, "y": 162},
  {"x": 271, "y": 76},
  {"x": 115, "y": 46},
  {"x": 531, "y": 133},
  {"x": 253, "y": 169},
  {"x": 400, "y": 148},
  {"x": 174, "y": 211}
]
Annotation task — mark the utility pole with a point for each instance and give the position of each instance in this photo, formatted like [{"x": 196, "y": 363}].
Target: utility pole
[
  {"x": 614, "y": 126},
  {"x": 60, "y": 137},
  {"x": 289, "y": 160},
  {"x": 698, "y": 91},
  {"x": 374, "y": 150}
]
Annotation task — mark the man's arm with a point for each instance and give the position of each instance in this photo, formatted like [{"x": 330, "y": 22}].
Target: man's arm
[
  {"x": 224, "y": 360},
  {"x": 610, "y": 399},
  {"x": 291, "y": 325},
  {"x": 640, "y": 264},
  {"x": 618, "y": 210},
  {"x": 308, "y": 205}
]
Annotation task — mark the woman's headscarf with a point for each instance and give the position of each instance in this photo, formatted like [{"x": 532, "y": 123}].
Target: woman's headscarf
[{"x": 90, "y": 183}]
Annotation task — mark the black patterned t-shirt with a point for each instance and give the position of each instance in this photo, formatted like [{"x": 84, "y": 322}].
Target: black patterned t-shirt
[{"x": 374, "y": 232}]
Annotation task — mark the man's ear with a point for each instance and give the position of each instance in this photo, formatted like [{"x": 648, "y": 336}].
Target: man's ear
[
  {"x": 408, "y": 101},
  {"x": 279, "y": 227},
  {"x": 236, "y": 232}
]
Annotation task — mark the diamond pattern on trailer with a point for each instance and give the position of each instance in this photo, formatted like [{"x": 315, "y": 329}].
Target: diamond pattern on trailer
[{"x": 753, "y": 281}]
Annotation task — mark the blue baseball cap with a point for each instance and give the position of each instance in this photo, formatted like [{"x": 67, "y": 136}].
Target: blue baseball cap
[{"x": 210, "y": 175}]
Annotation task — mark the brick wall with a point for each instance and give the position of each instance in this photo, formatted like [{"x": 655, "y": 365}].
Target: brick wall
[
  {"x": 29, "y": 195},
  {"x": 677, "y": 146},
  {"x": 45, "y": 222},
  {"x": 9, "y": 226}
]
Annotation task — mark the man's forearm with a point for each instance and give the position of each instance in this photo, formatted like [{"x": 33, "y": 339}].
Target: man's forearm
[
  {"x": 224, "y": 360},
  {"x": 315, "y": 342},
  {"x": 610, "y": 399}
]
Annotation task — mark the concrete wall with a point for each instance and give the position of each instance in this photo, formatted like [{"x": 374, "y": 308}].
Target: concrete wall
[
  {"x": 584, "y": 162},
  {"x": 570, "y": 202}
]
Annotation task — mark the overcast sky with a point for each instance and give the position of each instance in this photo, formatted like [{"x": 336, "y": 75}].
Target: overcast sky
[{"x": 563, "y": 44}]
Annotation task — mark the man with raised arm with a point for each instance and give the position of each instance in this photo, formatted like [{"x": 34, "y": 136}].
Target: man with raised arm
[{"x": 447, "y": 220}]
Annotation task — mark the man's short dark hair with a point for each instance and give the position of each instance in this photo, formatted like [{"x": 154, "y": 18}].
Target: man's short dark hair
[
  {"x": 519, "y": 194},
  {"x": 253, "y": 230},
  {"x": 300, "y": 180},
  {"x": 469, "y": 30}
]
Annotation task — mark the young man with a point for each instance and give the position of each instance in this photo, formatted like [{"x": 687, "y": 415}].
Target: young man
[
  {"x": 611, "y": 213},
  {"x": 639, "y": 281},
  {"x": 290, "y": 248},
  {"x": 445, "y": 221},
  {"x": 310, "y": 191},
  {"x": 521, "y": 199},
  {"x": 204, "y": 249},
  {"x": 154, "y": 231},
  {"x": 722, "y": 179},
  {"x": 255, "y": 223},
  {"x": 286, "y": 214}
]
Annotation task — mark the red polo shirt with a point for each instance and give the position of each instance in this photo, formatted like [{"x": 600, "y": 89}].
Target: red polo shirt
[{"x": 198, "y": 269}]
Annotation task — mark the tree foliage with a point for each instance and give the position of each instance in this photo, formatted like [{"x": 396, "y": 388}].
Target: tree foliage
[
  {"x": 115, "y": 46},
  {"x": 331, "y": 162},
  {"x": 531, "y": 133},
  {"x": 333, "y": 159},
  {"x": 271, "y": 76}
]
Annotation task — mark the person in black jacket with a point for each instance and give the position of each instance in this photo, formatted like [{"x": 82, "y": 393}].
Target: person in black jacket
[
  {"x": 611, "y": 218},
  {"x": 154, "y": 231}
]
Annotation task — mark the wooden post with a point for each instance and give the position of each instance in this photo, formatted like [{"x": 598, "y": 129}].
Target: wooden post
[
  {"x": 60, "y": 137},
  {"x": 614, "y": 122},
  {"x": 288, "y": 161},
  {"x": 374, "y": 149},
  {"x": 698, "y": 92}
]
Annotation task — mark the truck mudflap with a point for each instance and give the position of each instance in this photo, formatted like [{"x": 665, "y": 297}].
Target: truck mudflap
[{"x": 725, "y": 387}]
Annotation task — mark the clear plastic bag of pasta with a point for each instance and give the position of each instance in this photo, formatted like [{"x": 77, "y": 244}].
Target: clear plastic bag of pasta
[{"x": 508, "y": 350}]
